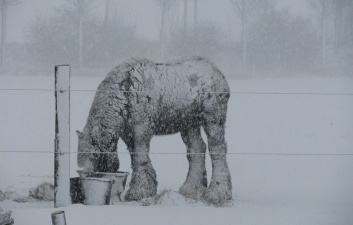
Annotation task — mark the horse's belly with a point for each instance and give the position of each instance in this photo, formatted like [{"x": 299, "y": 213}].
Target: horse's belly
[{"x": 171, "y": 122}]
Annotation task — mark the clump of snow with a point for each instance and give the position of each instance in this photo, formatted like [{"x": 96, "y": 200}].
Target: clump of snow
[
  {"x": 8, "y": 195},
  {"x": 22, "y": 199},
  {"x": 3, "y": 196},
  {"x": 43, "y": 192},
  {"x": 6, "y": 218},
  {"x": 166, "y": 197},
  {"x": 169, "y": 197}
]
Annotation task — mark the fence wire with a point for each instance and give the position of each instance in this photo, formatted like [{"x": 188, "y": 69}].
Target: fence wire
[
  {"x": 230, "y": 92},
  {"x": 186, "y": 153}
]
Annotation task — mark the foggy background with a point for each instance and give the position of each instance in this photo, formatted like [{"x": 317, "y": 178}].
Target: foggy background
[{"x": 245, "y": 38}]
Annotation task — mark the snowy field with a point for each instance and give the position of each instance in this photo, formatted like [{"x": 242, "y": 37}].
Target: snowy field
[{"x": 294, "y": 179}]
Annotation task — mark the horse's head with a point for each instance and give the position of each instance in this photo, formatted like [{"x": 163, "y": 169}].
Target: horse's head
[
  {"x": 86, "y": 159},
  {"x": 97, "y": 151}
]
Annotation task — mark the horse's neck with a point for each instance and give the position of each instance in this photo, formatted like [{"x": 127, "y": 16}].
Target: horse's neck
[
  {"x": 104, "y": 137},
  {"x": 102, "y": 126},
  {"x": 104, "y": 114},
  {"x": 106, "y": 111}
]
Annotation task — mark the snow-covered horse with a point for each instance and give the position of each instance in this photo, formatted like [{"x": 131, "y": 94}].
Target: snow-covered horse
[{"x": 139, "y": 99}]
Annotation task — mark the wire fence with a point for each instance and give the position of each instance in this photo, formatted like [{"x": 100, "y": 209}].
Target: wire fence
[{"x": 185, "y": 153}]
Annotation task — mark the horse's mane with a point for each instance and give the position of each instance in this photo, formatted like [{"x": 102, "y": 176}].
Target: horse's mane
[{"x": 126, "y": 66}]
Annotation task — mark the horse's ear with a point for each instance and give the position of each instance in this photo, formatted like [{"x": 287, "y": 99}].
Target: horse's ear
[{"x": 79, "y": 134}]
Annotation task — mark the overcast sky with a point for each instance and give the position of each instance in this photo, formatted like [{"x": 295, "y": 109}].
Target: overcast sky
[{"x": 144, "y": 12}]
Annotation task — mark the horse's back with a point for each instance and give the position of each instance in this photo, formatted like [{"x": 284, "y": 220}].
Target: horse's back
[{"x": 174, "y": 94}]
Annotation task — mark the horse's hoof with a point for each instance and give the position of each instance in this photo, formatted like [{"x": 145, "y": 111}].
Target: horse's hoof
[
  {"x": 136, "y": 195},
  {"x": 217, "y": 197},
  {"x": 192, "y": 191},
  {"x": 143, "y": 184}
]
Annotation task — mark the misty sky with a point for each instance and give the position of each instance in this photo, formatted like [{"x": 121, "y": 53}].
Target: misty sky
[{"x": 145, "y": 13}]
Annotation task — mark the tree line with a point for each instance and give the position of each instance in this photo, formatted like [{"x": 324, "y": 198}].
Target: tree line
[{"x": 270, "y": 38}]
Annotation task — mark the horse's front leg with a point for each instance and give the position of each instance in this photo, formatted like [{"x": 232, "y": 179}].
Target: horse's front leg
[
  {"x": 143, "y": 182},
  {"x": 108, "y": 162}
]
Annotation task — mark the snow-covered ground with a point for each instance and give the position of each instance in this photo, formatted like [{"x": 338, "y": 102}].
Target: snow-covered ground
[{"x": 268, "y": 189}]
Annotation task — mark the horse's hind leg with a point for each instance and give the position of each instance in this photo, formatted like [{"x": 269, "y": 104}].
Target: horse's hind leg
[
  {"x": 220, "y": 188},
  {"x": 196, "y": 181}
]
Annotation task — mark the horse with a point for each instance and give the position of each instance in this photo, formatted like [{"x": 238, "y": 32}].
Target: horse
[{"x": 139, "y": 99}]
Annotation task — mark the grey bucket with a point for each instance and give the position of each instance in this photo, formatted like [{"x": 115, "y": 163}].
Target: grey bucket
[
  {"x": 91, "y": 190},
  {"x": 119, "y": 179},
  {"x": 97, "y": 191}
]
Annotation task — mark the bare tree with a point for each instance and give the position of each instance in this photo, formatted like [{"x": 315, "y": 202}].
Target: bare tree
[
  {"x": 165, "y": 6},
  {"x": 341, "y": 9},
  {"x": 240, "y": 9},
  {"x": 111, "y": 14},
  {"x": 245, "y": 9},
  {"x": 106, "y": 12},
  {"x": 185, "y": 16},
  {"x": 347, "y": 25},
  {"x": 82, "y": 7},
  {"x": 338, "y": 22},
  {"x": 323, "y": 9},
  {"x": 196, "y": 12},
  {"x": 5, "y": 4},
  {"x": 173, "y": 18}
]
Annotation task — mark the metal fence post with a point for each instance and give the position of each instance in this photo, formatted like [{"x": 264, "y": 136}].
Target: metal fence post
[{"x": 62, "y": 136}]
